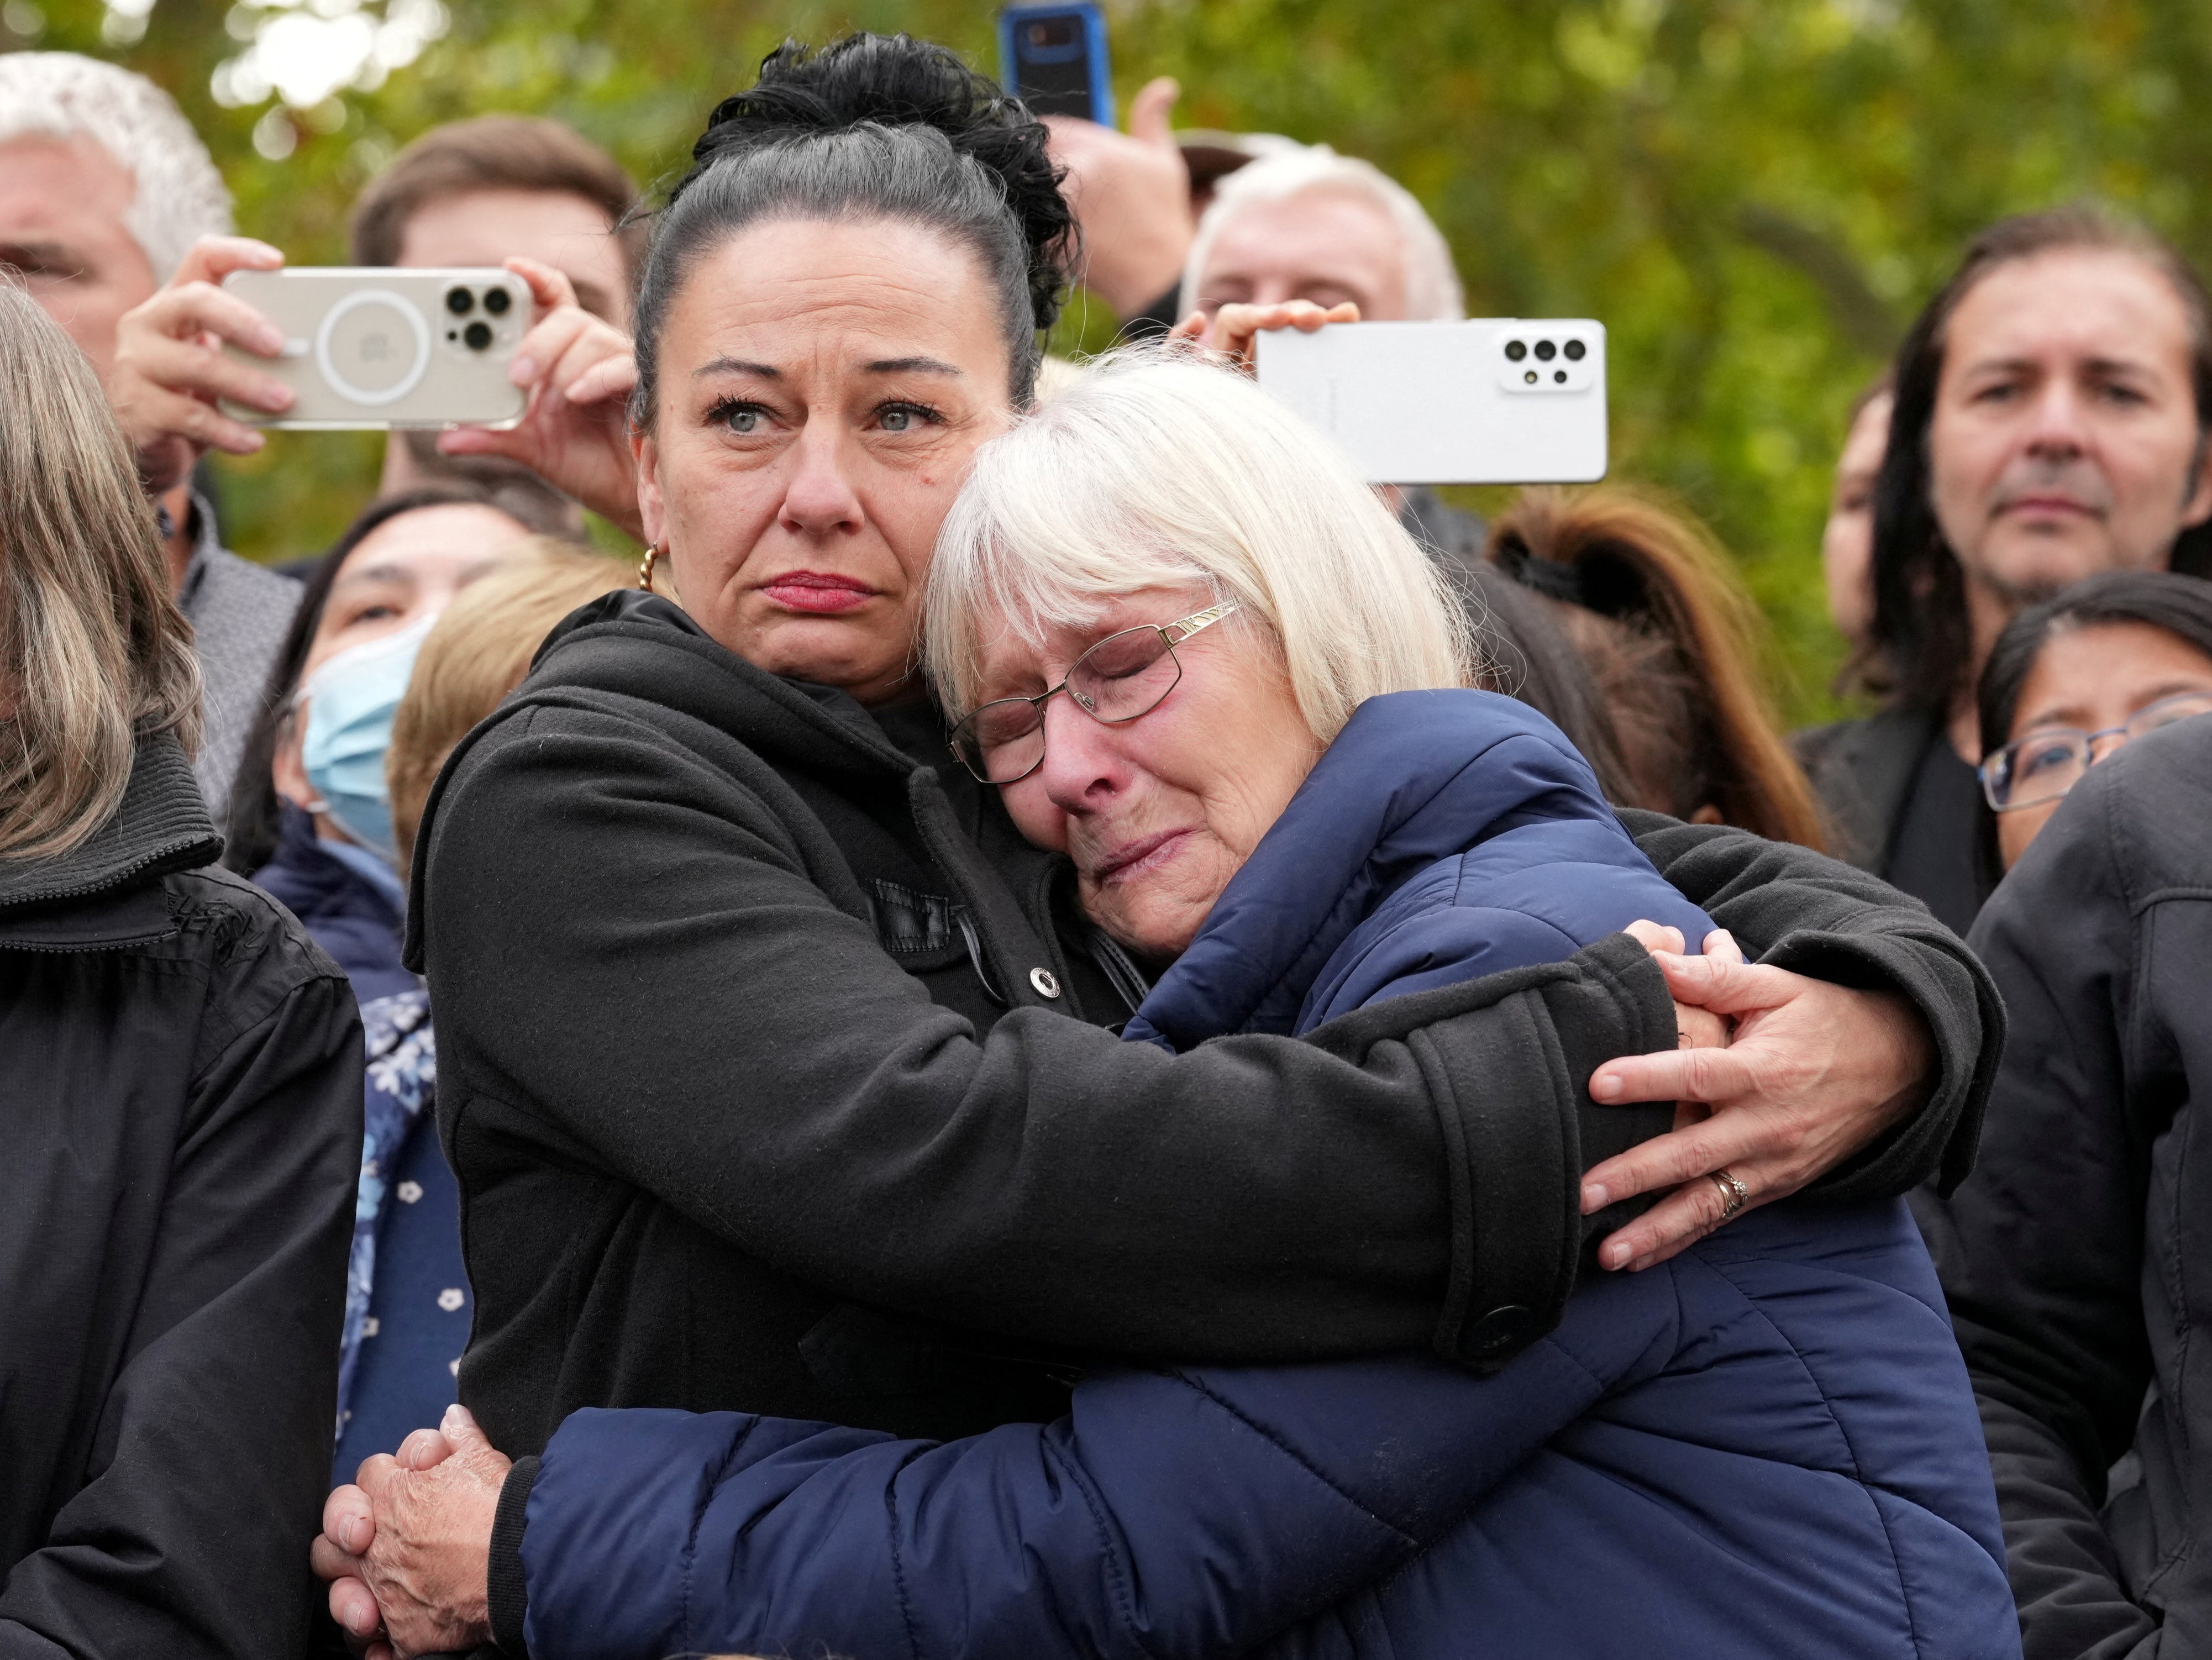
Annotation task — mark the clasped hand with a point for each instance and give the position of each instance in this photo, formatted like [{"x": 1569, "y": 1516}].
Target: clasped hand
[{"x": 407, "y": 1549}]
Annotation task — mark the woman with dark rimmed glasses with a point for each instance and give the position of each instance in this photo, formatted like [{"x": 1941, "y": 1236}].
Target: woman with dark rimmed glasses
[{"x": 2108, "y": 660}]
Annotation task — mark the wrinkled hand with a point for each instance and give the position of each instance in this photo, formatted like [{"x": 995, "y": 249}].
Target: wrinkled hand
[
  {"x": 170, "y": 367},
  {"x": 1236, "y": 328},
  {"x": 1131, "y": 193},
  {"x": 408, "y": 1549},
  {"x": 1813, "y": 1074},
  {"x": 579, "y": 370}
]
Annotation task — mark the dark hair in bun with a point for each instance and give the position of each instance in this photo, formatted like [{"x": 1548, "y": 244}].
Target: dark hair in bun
[{"x": 874, "y": 127}]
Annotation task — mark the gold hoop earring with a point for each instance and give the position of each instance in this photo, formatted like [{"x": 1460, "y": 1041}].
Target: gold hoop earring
[{"x": 644, "y": 567}]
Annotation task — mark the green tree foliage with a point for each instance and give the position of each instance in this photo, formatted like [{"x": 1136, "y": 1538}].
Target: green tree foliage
[{"x": 1753, "y": 194}]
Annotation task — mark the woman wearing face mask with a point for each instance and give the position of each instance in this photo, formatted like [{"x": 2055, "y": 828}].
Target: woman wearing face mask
[
  {"x": 310, "y": 820},
  {"x": 755, "y": 1065},
  {"x": 2072, "y": 680}
]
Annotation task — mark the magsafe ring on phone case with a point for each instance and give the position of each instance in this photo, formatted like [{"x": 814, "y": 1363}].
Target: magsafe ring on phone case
[{"x": 389, "y": 346}]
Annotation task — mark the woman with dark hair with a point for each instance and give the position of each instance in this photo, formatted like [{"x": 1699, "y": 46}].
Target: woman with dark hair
[
  {"x": 311, "y": 823},
  {"x": 755, "y": 1064},
  {"x": 180, "y": 1097},
  {"x": 2072, "y": 680},
  {"x": 1673, "y": 642}
]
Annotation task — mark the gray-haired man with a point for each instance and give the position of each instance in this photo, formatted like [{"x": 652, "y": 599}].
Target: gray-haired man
[{"x": 104, "y": 189}]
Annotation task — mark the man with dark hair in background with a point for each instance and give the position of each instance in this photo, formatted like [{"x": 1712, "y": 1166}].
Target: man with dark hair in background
[
  {"x": 2050, "y": 422},
  {"x": 472, "y": 194}
]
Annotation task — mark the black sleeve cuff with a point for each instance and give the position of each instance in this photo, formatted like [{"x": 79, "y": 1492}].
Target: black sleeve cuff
[
  {"x": 507, "y": 1597},
  {"x": 1958, "y": 1000}
]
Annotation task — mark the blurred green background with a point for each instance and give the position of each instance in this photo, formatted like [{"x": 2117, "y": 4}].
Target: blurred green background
[{"x": 1753, "y": 194}]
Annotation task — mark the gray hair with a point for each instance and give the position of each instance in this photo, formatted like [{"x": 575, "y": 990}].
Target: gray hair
[
  {"x": 1157, "y": 470},
  {"x": 93, "y": 652},
  {"x": 1432, "y": 287},
  {"x": 180, "y": 197},
  {"x": 866, "y": 170}
]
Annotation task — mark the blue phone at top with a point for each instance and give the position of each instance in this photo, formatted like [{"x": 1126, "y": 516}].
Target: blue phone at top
[{"x": 1053, "y": 58}]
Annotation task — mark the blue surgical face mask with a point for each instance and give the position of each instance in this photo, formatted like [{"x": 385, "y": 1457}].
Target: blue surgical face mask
[{"x": 352, "y": 700}]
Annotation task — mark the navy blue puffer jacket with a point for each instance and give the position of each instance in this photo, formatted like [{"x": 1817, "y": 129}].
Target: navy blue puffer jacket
[{"x": 1764, "y": 1446}]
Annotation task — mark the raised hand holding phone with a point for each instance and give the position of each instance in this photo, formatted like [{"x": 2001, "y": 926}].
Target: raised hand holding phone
[
  {"x": 577, "y": 371},
  {"x": 171, "y": 373}
]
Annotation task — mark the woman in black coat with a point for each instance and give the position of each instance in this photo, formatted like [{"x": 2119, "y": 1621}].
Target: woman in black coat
[
  {"x": 179, "y": 1099},
  {"x": 755, "y": 1065}
]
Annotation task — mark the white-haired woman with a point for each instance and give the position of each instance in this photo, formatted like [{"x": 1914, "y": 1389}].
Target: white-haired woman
[
  {"x": 1197, "y": 657},
  {"x": 180, "y": 1098}
]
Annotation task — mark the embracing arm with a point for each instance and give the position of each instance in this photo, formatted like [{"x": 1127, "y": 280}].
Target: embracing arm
[
  {"x": 214, "y": 1444},
  {"x": 649, "y": 1533},
  {"x": 1792, "y": 909},
  {"x": 602, "y": 908},
  {"x": 2042, "y": 1248}
]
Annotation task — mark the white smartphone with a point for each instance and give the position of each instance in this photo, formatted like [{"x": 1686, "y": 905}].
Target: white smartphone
[
  {"x": 386, "y": 346},
  {"x": 1491, "y": 401}
]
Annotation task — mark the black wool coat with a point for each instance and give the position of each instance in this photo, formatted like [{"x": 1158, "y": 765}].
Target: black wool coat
[
  {"x": 180, "y": 1074},
  {"x": 2075, "y": 1257},
  {"x": 757, "y": 1070}
]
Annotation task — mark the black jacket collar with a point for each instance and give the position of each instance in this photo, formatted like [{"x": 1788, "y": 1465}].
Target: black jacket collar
[{"x": 162, "y": 825}]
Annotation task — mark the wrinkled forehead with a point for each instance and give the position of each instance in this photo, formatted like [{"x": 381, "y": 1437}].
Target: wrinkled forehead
[
  {"x": 49, "y": 179},
  {"x": 797, "y": 293},
  {"x": 2070, "y": 306},
  {"x": 1326, "y": 232}
]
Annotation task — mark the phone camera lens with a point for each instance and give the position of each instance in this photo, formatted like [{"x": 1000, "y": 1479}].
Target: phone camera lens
[
  {"x": 479, "y": 335},
  {"x": 1515, "y": 351},
  {"x": 1559, "y": 376},
  {"x": 496, "y": 300},
  {"x": 1546, "y": 351},
  {"x": 459, "y": 301},
  {"x": 1574, "y": 348}
]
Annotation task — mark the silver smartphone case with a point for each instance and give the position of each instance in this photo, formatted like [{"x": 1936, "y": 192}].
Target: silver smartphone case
[{"x": 384, "y": 346}]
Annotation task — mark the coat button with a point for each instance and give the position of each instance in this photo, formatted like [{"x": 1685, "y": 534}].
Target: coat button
[
  {"x": 1045, "y": 985},
  {"x": 1500, "y": 1328}
]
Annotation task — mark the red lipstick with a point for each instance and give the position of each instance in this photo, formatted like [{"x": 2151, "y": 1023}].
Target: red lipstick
[{"x": 823, "y": 593}]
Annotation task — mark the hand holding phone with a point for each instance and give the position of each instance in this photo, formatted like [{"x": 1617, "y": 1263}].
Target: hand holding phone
[
  {"x": 576, "y": 371},
  {"x": 168, "y": 374},
  {"x": 1131, "y": 194}
]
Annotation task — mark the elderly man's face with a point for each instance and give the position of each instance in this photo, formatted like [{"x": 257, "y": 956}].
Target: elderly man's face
[
  {"x": 2065, "y": 437},
  {"x": 1324, "y": 244},
  {"x": 62, "y": 203}
]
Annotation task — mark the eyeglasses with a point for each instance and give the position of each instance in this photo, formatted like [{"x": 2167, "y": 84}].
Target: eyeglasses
[
  {"x": 1123, "y": 676},
  {"x": 2044, "y": 765}
]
